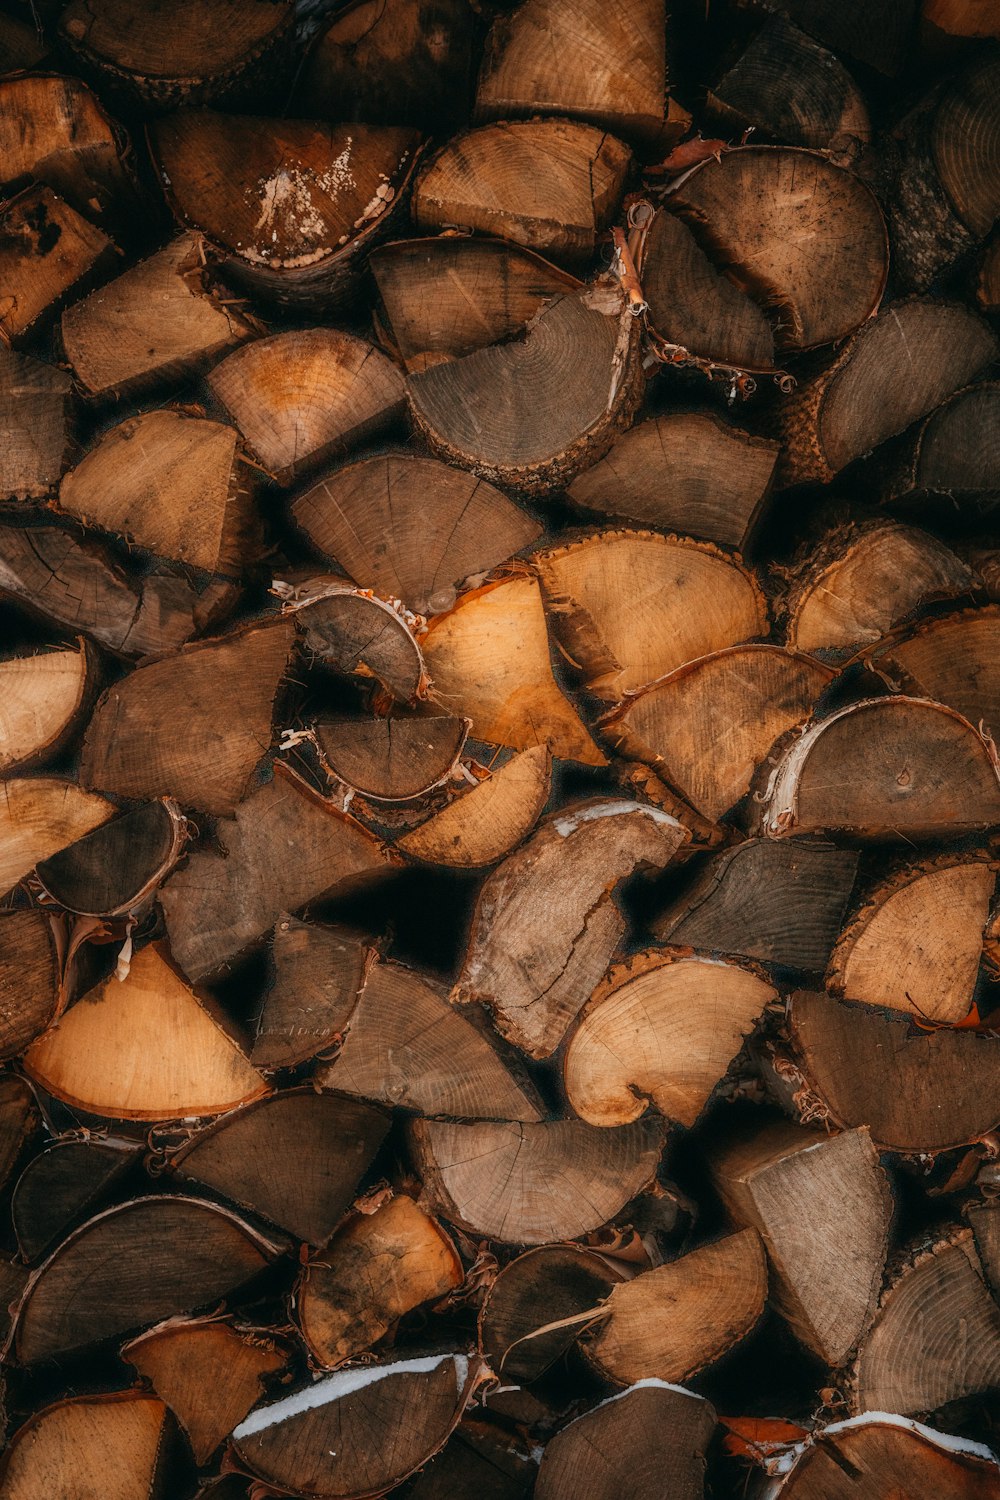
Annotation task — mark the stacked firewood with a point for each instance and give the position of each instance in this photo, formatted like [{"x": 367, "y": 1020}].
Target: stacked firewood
[{"x": 500, "y": 815}]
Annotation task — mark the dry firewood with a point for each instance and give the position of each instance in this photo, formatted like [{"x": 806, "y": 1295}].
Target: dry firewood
[
  {"x": 163, "y": 53},
  {"x": 385, "y": 1420},
  {"x": 646, "y": 1442},
  {"x": 35, "y": 406},
  {"x": 300, "y": 398},
  {"x": 881, "y": 40},
  {"x": 660, "y": 1030},
  {"x": 915, "y": 945},
  {"x": 291, "y": 207},
  {"x": 145, "y": 1048},
  {"x": 47, "y": 251},
  {"x": 39, "y": 815},
  {"x": 706, "y": 727},
  {"x": 407, "y": 1045},
  {"x": 883, "y": 1456},
  {"x": 372, "y": 518},
  {"x": 42, "y": 699},
  {"x": 546, "y": 925},
  {"x": 395, "y": 759},
  {"x": 551, "y": 185},
  {"x": 450, "y": 295},
  {"x": 173, "y": 483},
  {"x": 527, "y": 1184},
  {"x": 685, "y": 471},
  {"x": 116, "y": 869},
  {"x": 779, "y": 902},
  {"x": 489, "y": 820},
  {"x": 30, "y": 977},
  {"x": 894, "y": 371},
  {"x": 597, "y": 589},
  {"x": 155, "y": 325},
  {"x": 378, "y": 1267},
  {"x": 950, "y": 660},
  {"x": 285, "y": 846},
  {"x": 63, "y": 1184},
  {"x": 960, "y": 18},
  {"x": 317, "y": 974},
  {"x": 509, "y": 414},
  {"x": 988, "y": 278},
  {"x": 479, "y": 1459},
  {"x": 116, "y": 1444},
  {"x": 209, "y": 1374},
  {"x": 917, "y": 1091},
  {"x": 827, "y": 1259},
  {"x": 19, "y": 1119},
  {"x": 355, "y": 633},
  {"x": 490, "y": 660},
  {"x": 984, "y": 1220},
  {"x": 949, "y": 462},
  {"x": 794, "y": 91},
  {"x": 543, "y": 1289},
  {"x": 672, "y": 1321},
  {"x": 393, "y": 62},
  {"x": 223, "y": 690},
  {"x": 245, "y": 1157},
  {"x": 22, "y": 46},
  {"x": 141, "y": 1261}
]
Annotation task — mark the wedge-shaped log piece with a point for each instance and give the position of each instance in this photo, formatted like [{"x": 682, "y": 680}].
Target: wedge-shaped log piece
[
  {"x": 827, "y": 1259},
  {"x": 988, "y": 280},
  {"x": 598, "y": 592},
  {"x": 960, "y": 18},
  {"x": 19, "y": 1119},
  {"x": 936, "y": 1336},
  {"x": 142, "y": 1261},
  {"x": 411, "y": 528},
  {"x": 648, "y": 1441},
  {"x": 857, "y": 585},
  {"x": 890, "y": 769},
  {"x": 881, "y": 41},
  {"x": 479, "y": 1459},
  {"x": 291, "y": 206},
  {"x": 359, "y": 1433},
  {"x": 706, "y": 727},
  {"x": 317, "y": 974},
  {"x": 952, "y": 459},
  {"x": 660, "y": 1030},
  {"x": 916, "y": 1091},
  {"x": 42, "y": 699},
  {"x": 223, "y": 691},
  {"x": 407, "y": 1045},
  {"x": 781, "y": 903},
  {"x": 447, "y": 296},
  {"x": 548, "y": 1285},
  {"x": 915, "y": 945},
  {"x": 143, "y": 1049},
  {"x": 245, "y": 1157},
  {"x": 950, "y": 659},
  {"x": 529, "y": 1184},
  {"x": 669, "y": 1323},
  {"x": 35, "y": 403},
  {"x": 64, "y": 1184},
  {"x": 551, "y": 185},
  {"x": 117, "y": 868},
  {"x": 509, "y": 414},
  {"x": 172, "y": 483},
  {"x": 546, "y": 924},
  {"x": 116, "y": 1445},
  {"x": 378, "y": 1267},
  {"x": 39, "y": 815},
  {"x": 300, "y": 398},
  {"x": 30, "y": 977},
  {"x": 396, "y": 759},
  {"x": 284, "y": 847},
  {"x": 894, "y": 371},
  {"x": 487, "y": 822},
  {"x": 685, "y": 471},
  {"x": 47, "y": 250},
  {"x": 490, "y": 660},
  {"x": 21, "y": 45},
  {"x": 357, "y": 634},
  {"x": 155, "y": 325},
  {"x": 984, "y": 1219},
  {"x": 882, "y": 1456},
  {"x": 209, "y": 1374}
]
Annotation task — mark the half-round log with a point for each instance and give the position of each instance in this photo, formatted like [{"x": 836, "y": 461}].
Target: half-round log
[
  {"x": 117, "y": 868},
  {"x": 546, "y": 1286},
  {"x": 39, "y": 815},
  {"x": 886, "y": 1455},
  {"x": 396, "y": 759},
  {"x": 952, "y": 460},
  {"x": 488, "y": 821},
  {"x": 950, "y": 659},
  {"x": 64, "y": 1184},
  {"x": 42, "y": 698},
  {"x": 355, "y": 633},
  {"x": 74, "y": 1447}
]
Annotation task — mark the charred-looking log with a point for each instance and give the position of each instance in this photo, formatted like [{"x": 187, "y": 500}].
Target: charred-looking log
[
  {"x": 950, "y": 461},
  {"x": 36, "y": 412},
  {"x": 49, "y": 253}
]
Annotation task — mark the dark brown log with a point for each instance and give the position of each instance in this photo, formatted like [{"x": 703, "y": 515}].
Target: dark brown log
[
  {"x": 42, "y": 699},
  {"x": 355, "y": 633},
  {"x": 988, "y": 279},
  {"x": 950, "y": 463},
  {"x": 548, "y": 1285},
  {"x": 118, "y": 867},
  {"x": 886, "y": 1455},
  {"x": 881, "y": 41},
  {"x": 317, "y": 974},
  {"x": 30, "y": 976},
  {"x": 73, "y": 1446},
  {"x": 949, "y": 659},
  {"x": 63, "y": 1184},
  {"x": 478, "y": 1459},
  {"x": 47, "y": 253},
  {"x": 396, "y": 759},
  {"x": 19, "y": 1119},
  {"x": 35, "y": 409},
  {"x": 487, "y": 821},
  {"x": 39, "y": 815},
  {"x": 22, "y": 46}
]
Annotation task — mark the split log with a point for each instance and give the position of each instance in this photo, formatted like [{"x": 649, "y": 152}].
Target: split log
[
  {"x": 222, "y": 690},
  {"x": 528, "y": 1184},
  {"x": 298, "y": 399},
  {"x": 146, "y": 1048},
  {"x": 551, "y": 185},
  {"x": 397, "y": 759},
  {"x": 781, "y": 903},
  {"x": 688, "y": 472},
  {"x": 42, "y": 700},
  {"x": 950, "y": 660},
  {"x": 984, "y": 1220},
  {"x": 550, "y": 1285},
  {"x": 116, "y": 869},
  {"x": 47, "y": 252},
  {"x": 546, "y": 925},
  {"x": 950, "y": 463},
  {"x": 377, "y": 1268},
  {"x": 64, "y": 1184},
  {"x": 880, "y": 41},
  {"x": 39, "y": 815},
  {"x": 595, "y": 592},
  {"x": 355, "y": 633},
  {"x": 894, "y": 371},
  {"x": 30, "y": 977},
  {"x": 35, "y": 409},
  {"x": 291, "y": 207},
  {"x": 372, "y": 518},
  {"x": 317, "y": 974},
  {"x": 961, "y": 18},
  {"x": 660, "y": 1030},
  {"x": 156, "y": 325},
  {"x": 19, "y": 1119},
  {"x": 916, "y": 944},
  {"x": 647, "y": 1441},
  {"x": 827, "y": 1259},
  {"x": 671, "y": 1322},
  {"x": 406, "y": 1045},
  {"x": 285, "y": 846},
  {"x": 509, "y": 414},
  {"x": 75, "y": 1447},
  {"x": 22, "y": 46},
  {"x": 879, "y": 1454},
  {"x": 479, "y": 1459},
  {"x": 488, "y": 821},
  {"x": 207, "y": 1372},
  {"x": 988, "y": 279},
  {"x": 173, "y": 483}
]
